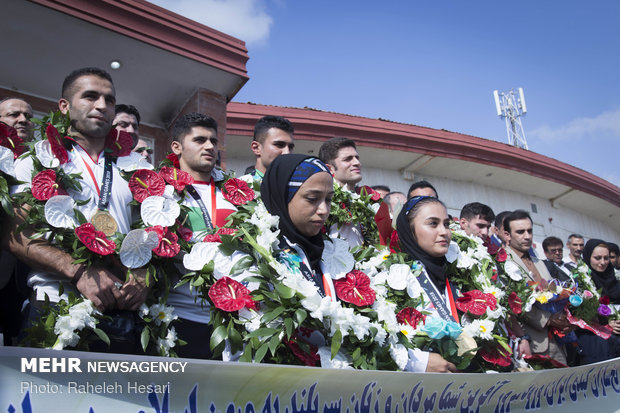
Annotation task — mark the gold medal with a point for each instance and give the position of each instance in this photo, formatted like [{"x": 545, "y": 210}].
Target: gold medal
[{"x": 104, "y": 222}]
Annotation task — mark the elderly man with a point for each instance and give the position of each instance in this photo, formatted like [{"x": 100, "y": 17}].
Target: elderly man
[
  {"x": 575, "y": 244},
  {"x": 553, "y": 247},
  {"x": 17, "y": 113}
]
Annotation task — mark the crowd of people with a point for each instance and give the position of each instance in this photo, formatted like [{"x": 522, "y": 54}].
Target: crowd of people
[{"x": 293, "y": 262}]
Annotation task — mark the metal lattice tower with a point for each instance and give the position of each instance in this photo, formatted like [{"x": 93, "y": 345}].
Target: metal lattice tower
[{"x": 511, "y": 108}]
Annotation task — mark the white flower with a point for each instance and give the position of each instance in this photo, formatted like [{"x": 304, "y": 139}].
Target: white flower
[
  {"x": 339, "y": 362},
  {"x": 414, "y": 289},
  {"x": 337, "y": 258},
  {"x": 381, "y": 334},
  {"x": 132, "y": 162},
  {"x": 495, "y": 314},
  {"x": 399, "y": 352},
  {"x": 44, "y": 154},
  {"x": 162, "y": 314},
  {"x": 136, "y": 249},
  {"x": 481, "y": 253},
  {"x": 200, "y": 255},
  {"x": 268, "y": 239},
  {"x": 513, "y": 270},
  {"x": 217, "y": 174},
  {"x": 170, "y": 193},
  {"x": 144, "y": 310},
  {"x": 498, "y": 293},
  {"x": 59, "y": 212},
  {"x": 157, "y": 210},
  {"x": 262, "y": 219},
  {"x": 480, "y": 328},
  {"x": 165, "y": 344},
  {"x": 397, "y": 276},
  {"x": 7, "y": 161},
  {"x": 250, "y": 318},
  {"x": 453, "y": 252},
  {"x": 465, "y": 260}
]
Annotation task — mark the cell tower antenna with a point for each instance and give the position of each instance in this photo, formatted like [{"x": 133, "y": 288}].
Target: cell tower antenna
[{"x": 511, "y": 107}]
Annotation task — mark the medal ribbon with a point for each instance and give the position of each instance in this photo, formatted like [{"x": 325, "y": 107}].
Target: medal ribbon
[
  {"x": 437, "y": 299},
  {"x": 106, "y": 185},
  {"x": 205, "y": 213}
]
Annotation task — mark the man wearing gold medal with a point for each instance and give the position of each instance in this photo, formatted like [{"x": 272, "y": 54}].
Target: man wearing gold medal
[{"x": 88, "y": 95}]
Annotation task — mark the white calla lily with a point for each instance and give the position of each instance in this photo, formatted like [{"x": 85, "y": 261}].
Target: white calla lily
[
  {"x": 397, "y": 276},
  {"x": 200, "y": 255},
  {"x": 132, "y": 162},
  {"x": 59, "y": 212},
  {"x": 337, "y": 258},
  {"x": 45, "y": 155},
  {"x": 453, "y": 252},
  {"x": 157, "y": 210},
  {"x": 136, "y": 249},
  {"x": 7, "y": 161}
]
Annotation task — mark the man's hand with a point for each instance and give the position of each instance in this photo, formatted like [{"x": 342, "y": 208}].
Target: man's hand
[
  {"x": 559, "y": 321},
  {"x": 437, "y": 364},
  {"x": 615, "y": 325},
  {"x": 134, "y": 292},
  {"x": 101, "y": 287},
  {"x": 524, "y": 349}
]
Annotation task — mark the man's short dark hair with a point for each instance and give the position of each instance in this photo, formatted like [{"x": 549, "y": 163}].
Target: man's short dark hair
[
  {"x": 128, "y": 109},
  {"x": 421, "y": 184},
  {"x": 267, "y": 122},
  {"x": 571, "y": 236},
  {"x": 329, "y": 149},
  {"x": 516, "y": 215},
  {"x": 67, "y": 84},
  {"x": 613, "y": 248},
  {"x": 381, "y": 188},
  {"x": 185, "y": 123},
  {"x": 474, "y": 209},
  {"x": 550, "y": 242},
  {"x": 499, "y": 219}
]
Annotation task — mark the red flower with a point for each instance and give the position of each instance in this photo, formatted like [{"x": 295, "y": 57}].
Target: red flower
[
  {"x": 544, "y": 361},
  {"x": 226, "y": 231},
  {"x": 497, "y": 355},
  {"x": 237, "y": 191},
  {"x": 394, "y": 247},
  {"x": 145, "y": 183},
  {"x": 366, "y": 190},
  {"x": 491, "y": 247},
  {"x": 96, "y": 241},
  {"x": 172, "y": 157},
  {"x": 212, "y": 238},
  {"x": 176, "y": 177},
  {"x": 230, "y": 295},
  {"x": 501, "y": 255},
  {"x": 168, "y": 246},
  {"x": 604, "y": 300},
  {"x": 44, "y": 185},
  {"x": 10, "y": 139},
  {"x": 410, "y": 316},
  {"x": 56, "y": 144},
  {"x": 309, "y": 359},
  {"x": 516, "y": 305},
  {"x": 118, "y": 143},
  {"x": 355, "y": 289},
  {"x": 476, "y": 302},
  {"x": 185, "y": 233}
]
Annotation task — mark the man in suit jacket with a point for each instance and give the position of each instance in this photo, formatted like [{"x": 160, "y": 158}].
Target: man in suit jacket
[{"x": 518, "y": 225}]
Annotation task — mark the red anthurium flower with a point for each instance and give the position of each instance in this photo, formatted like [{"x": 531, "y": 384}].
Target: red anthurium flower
[
  {"x": 410, "y": 316},
  {"x": 172, "y": 157},
  {"x": 501, "y": 255},
  {"x": 185, "y": 233},
  {"x": 515, "y": 303},
  {"x": 604, "y": 300},
  {"x": 145, "y": 183},
  {"x": 96, "y": 241},
  {"x": 230, "y": 295},
  {"x": 10, "y": 139},
  {"x": 491, "y": 247},
  {"x": 212, "y": 238},
  {"x": 309, "y": 359},
  {"x": 476, "y": 302},
  {"x": 498, "y": 356},
  {"x": 394, "y": 247},
  {"x": 118, "y": 143},
  {"x": 355, "y": 289},
  {"x": 366, "y": 190},
  {"x": 168, "y": 246},
  {"x": 56, "y": 143},
  {"x": 176, "y": 177},
  {"x": 237, "y": 191},
  {"x": 44, "y": 185},
  {"x": 226, "y": 231}
]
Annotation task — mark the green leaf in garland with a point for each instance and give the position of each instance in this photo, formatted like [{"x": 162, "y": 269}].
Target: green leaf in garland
[
  {"x": 219, "y": 335},
  {"x": 260, "y": 353},
  {"x": 284, "y": 291},
  {"x": 270, "y": 316},
  {"x": 336, "y": 343},
  {"x": 145, "y": 338},
  {"x": 102, "y": 336}
]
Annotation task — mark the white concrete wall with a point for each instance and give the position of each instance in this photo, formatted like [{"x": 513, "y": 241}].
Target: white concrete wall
[{"x": 455, "y": 194}]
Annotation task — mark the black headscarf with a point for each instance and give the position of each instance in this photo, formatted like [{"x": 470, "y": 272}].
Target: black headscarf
[
  {"x": 606, "y": 279},
  {"x": 275, "y": 194},
  {"x": 435, "y": 266}
]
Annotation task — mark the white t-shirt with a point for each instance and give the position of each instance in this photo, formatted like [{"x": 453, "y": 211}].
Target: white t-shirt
[
  {"x": 44, "y": 282},
  {"x": 185, "y": 300}
]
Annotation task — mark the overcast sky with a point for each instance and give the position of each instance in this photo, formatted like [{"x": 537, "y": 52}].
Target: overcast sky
[{"x": 436, "y": 64}]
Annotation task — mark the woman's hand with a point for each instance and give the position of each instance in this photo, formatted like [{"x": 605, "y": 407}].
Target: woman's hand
[
  {"x": 615, "y": 325},
  {"x": 437, "y": 364}
]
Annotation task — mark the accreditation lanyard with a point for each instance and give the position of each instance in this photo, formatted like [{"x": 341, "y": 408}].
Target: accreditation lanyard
[
  {"x": 319, "y": 281},
  {"x": 205, "y": 213},
  {"x": 106, "y": 185},
  {"x": 437, "y": 299}
]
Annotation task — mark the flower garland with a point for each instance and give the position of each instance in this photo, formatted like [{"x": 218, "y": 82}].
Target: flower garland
[
  {"x": 349, "y": 208},
  {"x": 11, "y": 146}
]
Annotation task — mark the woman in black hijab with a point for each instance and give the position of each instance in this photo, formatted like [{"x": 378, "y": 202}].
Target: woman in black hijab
[
  {"x": 424, "y": 234},
  {"x": 594, "y": 348},
  {"x": 298, "y": 189}
]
